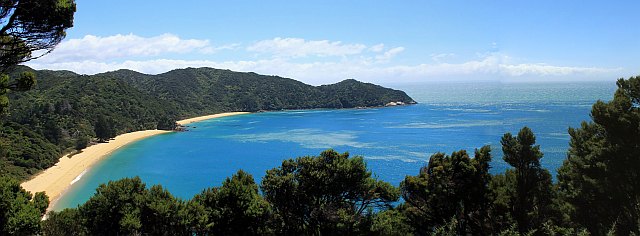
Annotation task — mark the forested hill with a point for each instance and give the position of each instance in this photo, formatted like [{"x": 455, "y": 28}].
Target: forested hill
[
  {"x": 206, "y": 90},
  {"x": 65, "y": 109}
]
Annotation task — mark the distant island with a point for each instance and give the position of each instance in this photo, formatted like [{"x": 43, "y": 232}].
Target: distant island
[{"x": 66, "y": 111}]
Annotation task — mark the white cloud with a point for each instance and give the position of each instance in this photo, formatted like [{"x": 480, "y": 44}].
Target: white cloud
[
  {"x": 297, "y": 47},
  {"x": 546, "y": 70},
  {"x": 389, "y": 54},
  {"x": 438, "y": 57},
  {"x": 377, "y": 48},
  {"x": 125, "y": 46}
]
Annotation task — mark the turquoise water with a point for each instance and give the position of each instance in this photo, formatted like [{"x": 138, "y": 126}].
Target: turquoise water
[{"x": 395, "y": 141}]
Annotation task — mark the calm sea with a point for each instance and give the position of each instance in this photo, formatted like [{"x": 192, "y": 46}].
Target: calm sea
[{"x": 395, "y": 141}]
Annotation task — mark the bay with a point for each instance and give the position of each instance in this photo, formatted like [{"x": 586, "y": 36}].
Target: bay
[{"x": 395, "y": 141}]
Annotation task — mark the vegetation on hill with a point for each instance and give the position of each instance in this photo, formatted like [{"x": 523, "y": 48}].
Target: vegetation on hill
[
  {"x": 206, "y": 90},
  {"x": 65, "y": 111}
]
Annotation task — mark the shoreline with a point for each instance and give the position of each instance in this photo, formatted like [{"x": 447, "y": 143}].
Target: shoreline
[
  {"x": 207, "y": 117},
  {"x": 56, "y": 180}
]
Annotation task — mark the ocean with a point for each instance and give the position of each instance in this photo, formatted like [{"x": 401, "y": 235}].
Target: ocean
[{"x": 394, "y": 141}]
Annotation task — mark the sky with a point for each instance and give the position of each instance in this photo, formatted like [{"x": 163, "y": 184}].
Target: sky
[{"x": 386, "y": 42}]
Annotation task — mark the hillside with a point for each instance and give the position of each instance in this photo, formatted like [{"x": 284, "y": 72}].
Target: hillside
[
  {"x": 61, "y": 113},
  {"x": 206, "y": 90}
]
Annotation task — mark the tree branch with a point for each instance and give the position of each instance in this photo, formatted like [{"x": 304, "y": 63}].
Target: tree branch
[{"x": 11, "y": 21}]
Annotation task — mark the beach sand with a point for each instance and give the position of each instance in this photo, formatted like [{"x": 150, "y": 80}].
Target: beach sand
[
  {"x": 55, "y": 180},
  {"x": 201, "y": 118}
]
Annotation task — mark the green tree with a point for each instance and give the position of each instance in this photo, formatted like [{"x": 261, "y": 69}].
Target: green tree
[
  {"x": 600, "y": 178},
  {"x": 195, "y": 218},
  {"x": 82, "y": 142},
  {"x": 160, "y": 213},
  {"x": 20, "y": 213},
  {"x": 104, "y": 128},
  {"x": 26, "y": 81},
  {"x": 390, "y": 222},
  {"x": 127, "y": 207},
  {"x": 502, "y": 188},
  {"x": 235, "y": 208},
  {"x": 52, "y": 131},
  {"x": 166, "y": 123},
  {"x": 530, "y": 203},
  {"x": 26, "y": 29},
  {"x": 66, "y": 222},
  {"x": 327, "y": 194},
  {"x": 449, "y": 186},
  {"x": 115, "y": 208}
]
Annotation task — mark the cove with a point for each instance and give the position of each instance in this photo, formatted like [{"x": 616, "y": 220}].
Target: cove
[{"x": 395, "y": 141}]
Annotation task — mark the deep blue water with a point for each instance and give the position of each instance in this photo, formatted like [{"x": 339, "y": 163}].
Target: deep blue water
[{"x": 395, "y": 141}]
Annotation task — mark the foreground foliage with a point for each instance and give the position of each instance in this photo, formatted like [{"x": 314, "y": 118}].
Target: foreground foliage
[
  {"x": 449, "y": 186},
  {"x": 20, "y": 212},
  {"x": 600, "y": 179},
  {"x": 327, "y": 194}
]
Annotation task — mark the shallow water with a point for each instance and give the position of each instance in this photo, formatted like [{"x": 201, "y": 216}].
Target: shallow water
[{"x": 395, "y": 141}]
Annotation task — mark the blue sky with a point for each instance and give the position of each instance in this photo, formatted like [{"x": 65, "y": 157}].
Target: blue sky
[{"x": 386, "y": 42}]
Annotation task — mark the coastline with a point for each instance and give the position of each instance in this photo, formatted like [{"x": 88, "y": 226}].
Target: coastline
[
  {"x": 207, "y": 117},
  {"x": 55, "y": 180}
]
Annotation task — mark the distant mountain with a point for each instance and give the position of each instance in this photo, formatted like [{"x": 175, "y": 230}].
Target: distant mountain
[{"x": 61, "y": 113}]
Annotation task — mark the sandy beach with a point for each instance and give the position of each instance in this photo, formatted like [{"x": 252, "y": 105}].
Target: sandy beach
[
  {"x": 201, "y": 118},
  {"x": 55, "y": 180}
]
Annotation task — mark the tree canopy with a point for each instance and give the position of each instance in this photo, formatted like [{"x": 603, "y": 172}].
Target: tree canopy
[
  {"x": 331, "y": 193},
  {"x": 600, "y": 178},
  {"x": 104, "y": 128},
  {"x": 20, "y": 212},
  {"x": 234, "y": 208},
  {"x": 530, "y": 194},
  {"x": 28, "y": 27},
  {"x": 324, "y": 194},
  {"x": 449, "y": 187}
]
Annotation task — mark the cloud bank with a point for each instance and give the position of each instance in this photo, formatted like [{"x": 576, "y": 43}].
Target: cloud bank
[
  {"x": 96, "y": 48},
  {"x": 297, "y": 47},
  {"x": 311, "y": 61}
]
